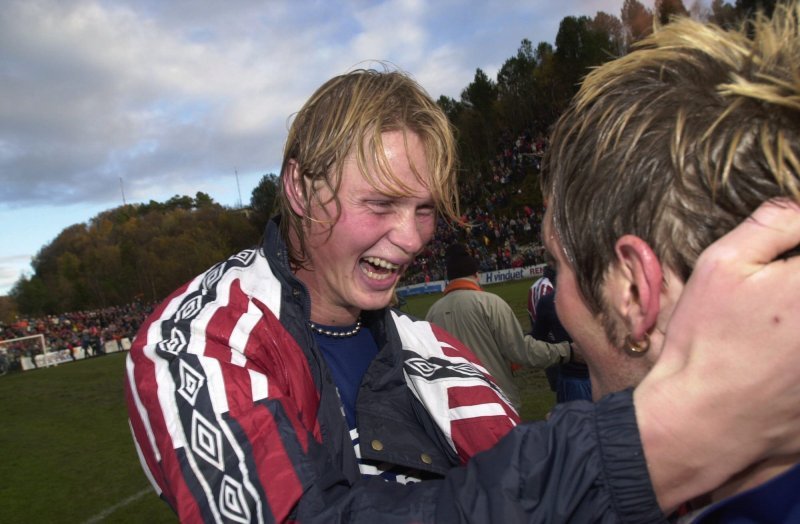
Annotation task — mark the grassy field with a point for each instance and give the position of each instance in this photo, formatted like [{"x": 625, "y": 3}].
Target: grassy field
[{"x": 67, "y": 453}]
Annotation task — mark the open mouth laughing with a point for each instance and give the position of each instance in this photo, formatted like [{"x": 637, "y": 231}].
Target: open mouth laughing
[{"x": 378, "y": 268}]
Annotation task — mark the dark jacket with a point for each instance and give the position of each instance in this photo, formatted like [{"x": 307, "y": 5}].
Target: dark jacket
[{"x": 236, "y": 418}]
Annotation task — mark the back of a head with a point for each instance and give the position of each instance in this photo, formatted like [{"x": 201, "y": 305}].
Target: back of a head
[
  {"x": 677, "y": 142},
  {"x": 459, "y": 262},
  {"x": 347, "y": 115}
]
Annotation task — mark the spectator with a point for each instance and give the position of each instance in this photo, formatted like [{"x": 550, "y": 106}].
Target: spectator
[
  {"x": 487, "y": 324},
  {"x": 81, "y": 328},
  {"x": 541, "y": 287},
  {"x": 569, "y": 380}
]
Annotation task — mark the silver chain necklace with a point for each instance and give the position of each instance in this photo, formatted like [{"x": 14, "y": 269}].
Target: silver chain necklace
[{"x": 336, "y": 334}]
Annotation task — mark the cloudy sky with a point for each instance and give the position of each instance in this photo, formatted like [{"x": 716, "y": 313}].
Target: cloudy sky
[{"x": 105, "y": 100}]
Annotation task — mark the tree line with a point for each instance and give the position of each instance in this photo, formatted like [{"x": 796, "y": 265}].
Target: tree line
[{"x": 144, "y": 251}]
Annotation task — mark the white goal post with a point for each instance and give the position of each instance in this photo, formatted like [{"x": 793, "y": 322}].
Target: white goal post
[{"x": 25, "y": 361}]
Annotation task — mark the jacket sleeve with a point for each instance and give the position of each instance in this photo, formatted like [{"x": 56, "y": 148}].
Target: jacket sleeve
[
  {"x": 225, "y": 430},
  {"x": 584, "y": 464}
]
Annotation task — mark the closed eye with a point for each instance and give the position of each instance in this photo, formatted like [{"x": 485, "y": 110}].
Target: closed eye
[
  {"x": 381, "y": 206},
  {"x": 426, "y": 211}
]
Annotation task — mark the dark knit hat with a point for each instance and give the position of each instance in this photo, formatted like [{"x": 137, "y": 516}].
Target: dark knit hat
[{"x": 459, "y": 262}]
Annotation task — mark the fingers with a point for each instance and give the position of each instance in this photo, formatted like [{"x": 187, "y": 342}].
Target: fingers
[
  {"x": 732, "y": 344},
  {"x": 735, "y": 280},
  {"x": 772, "y": 229}
]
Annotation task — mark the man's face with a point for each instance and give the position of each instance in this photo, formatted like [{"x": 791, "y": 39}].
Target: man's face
[
  {"x": 357, "y": 264},
  {"x": 610, "y": 368}
]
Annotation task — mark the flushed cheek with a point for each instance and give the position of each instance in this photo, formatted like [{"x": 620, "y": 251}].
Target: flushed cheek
[{"x": 426, "y": 232}]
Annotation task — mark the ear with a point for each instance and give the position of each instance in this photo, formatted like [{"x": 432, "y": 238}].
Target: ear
[
  {"x": 293, "y": 187},
  {"x": 637, "y": 284}
]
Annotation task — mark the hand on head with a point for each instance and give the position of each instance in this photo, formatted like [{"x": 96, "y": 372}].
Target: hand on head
[{"x": 744, "y": 302}]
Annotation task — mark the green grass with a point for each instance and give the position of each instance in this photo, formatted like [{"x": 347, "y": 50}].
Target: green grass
[
  {"x": 67, "y": 452},
  {"x": 68, "y": 455}
]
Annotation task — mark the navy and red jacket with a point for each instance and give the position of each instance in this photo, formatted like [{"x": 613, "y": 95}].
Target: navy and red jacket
[{"x": 236, "y": 419}]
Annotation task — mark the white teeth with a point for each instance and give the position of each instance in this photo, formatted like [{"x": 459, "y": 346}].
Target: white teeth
[
  {"x": 381, "y": 263},
  {"x": 385, "y": 264},
  {"x": 376, "y": 276}
]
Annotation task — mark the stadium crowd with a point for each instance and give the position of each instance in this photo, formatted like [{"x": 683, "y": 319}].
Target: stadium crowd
[
  {"x": 501, "y": 235},
  {"x": 89, "y": 330}
]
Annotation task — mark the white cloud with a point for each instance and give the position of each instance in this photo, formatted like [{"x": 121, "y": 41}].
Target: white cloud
[
  {"x": 157, "y": 92},
  {"x": 11, "y": 269}
]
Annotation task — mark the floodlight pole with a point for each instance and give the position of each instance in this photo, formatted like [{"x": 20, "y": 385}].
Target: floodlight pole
[{"x": 238, "y": 189}]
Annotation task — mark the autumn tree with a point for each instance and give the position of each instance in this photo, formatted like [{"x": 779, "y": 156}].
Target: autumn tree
[
  {"x": 723, "y": 14},
  {"x": 8, "y": 309},
  {"x": 32, "y": 296},
  {"x": 613, "y": 33},
  {"x": 133, "y": 251},
  {"x": 666, "y": 9},
  {"x": 637, "y": 21}
]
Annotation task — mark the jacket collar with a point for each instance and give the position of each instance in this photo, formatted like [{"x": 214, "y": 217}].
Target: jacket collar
[{"x": 462, "y": 283}]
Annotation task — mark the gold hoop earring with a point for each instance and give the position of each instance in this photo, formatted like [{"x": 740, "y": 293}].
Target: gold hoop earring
[{"x": 637, "y": 347}]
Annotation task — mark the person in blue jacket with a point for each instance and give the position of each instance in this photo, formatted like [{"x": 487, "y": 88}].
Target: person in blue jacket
[{"x": 570, "y": 380}]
